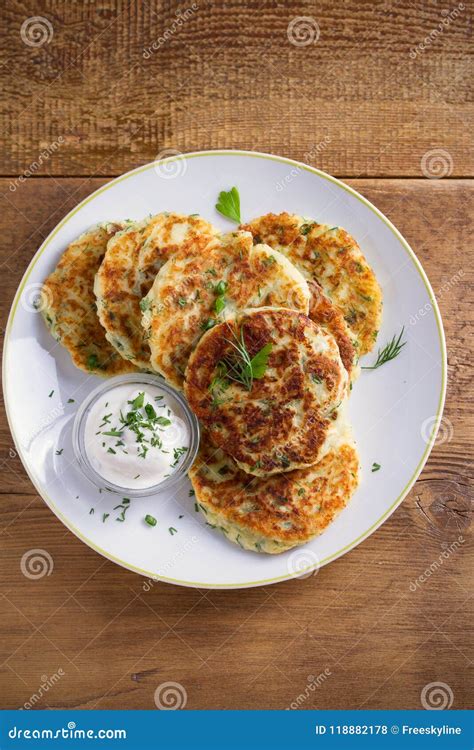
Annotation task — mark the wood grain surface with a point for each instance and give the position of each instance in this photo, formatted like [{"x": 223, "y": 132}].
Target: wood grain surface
[
  {"x": 367, "y": 630},
  {"x": 229, "y": 76}
]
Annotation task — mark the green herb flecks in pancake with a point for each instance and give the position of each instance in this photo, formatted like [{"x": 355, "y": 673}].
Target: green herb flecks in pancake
[
  {"x": 194, "y": 291},
  {"x": 268, "y": 386},
  {"x": 331, "y": 257},
  {"x": 133, "y": 258},
  {"x": 274, "y": 514},
  {"x": 68, "y": 305}
]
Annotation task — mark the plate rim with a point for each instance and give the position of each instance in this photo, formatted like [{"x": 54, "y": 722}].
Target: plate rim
[{"x": 439, "y": 323}]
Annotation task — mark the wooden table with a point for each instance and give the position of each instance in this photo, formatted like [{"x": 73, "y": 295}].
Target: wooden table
[{"x": 113, "y": 84}]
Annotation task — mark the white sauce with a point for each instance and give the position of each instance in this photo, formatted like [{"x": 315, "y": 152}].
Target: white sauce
[{"x": 149, "y": 438}]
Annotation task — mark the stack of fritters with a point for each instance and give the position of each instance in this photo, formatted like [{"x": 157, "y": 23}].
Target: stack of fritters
[
  {"x": 133, "y": 258},
  {"x": 231, "y": 273},
  {"x": 280, "y": 421},
  {"x": 68, "y": 304},
  {"x": 262, "y": 328}
]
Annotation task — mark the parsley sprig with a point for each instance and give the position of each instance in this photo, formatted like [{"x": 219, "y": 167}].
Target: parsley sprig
[{"x": 228, "y": 204}]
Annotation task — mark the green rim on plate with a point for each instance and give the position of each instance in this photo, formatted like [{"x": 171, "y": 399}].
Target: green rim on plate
[{"x": 411, "y": 255}]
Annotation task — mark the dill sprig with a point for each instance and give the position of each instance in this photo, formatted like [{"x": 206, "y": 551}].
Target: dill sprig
[
  {"x": 239, "y": 366},
  {"x": 389, "y": 352}
]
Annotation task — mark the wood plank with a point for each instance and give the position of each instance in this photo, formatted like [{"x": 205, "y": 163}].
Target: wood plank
[
  {"x": 367, "y": 625},
  {"x": 361, "y": 99}
]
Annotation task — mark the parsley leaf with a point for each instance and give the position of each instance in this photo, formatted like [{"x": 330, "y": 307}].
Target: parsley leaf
[
  {"x": 219, "y": 304},
  {"x": 228, "y": 204},
  {"x": 259, "y": 362}
]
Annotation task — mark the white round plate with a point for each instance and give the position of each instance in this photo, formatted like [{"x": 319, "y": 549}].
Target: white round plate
[{"x": 395, "y": 410}]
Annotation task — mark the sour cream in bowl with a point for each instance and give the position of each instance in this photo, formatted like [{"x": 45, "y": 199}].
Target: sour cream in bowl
[{"x": 135, "y": 434}]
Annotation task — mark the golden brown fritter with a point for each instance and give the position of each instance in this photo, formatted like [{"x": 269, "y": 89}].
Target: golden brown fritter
[
  {"x": 131, "y": 263},
  {"x": 275, "y": 513},
  {"x": 267, "y": 387},
  {"x": 324, "y": 313},
  {"x": 68, "y": 305},
  {"x": 195, "y": 290},
  {"x": 330, "y": 256}
]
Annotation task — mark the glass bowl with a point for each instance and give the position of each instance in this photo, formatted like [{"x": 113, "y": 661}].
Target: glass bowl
[{"x": 181, "y": 408}]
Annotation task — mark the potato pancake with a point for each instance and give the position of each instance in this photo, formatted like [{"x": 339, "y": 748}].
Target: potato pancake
[
  {"x": 333, "y": 258},
  {"x": 128, "y": 270},
  {"x": 267, "y": 386},
  {"x": 196, "y": 290},
  {"x": 324, "y": 313},
  {"x": 68, "y": 304},
  {"x": 276, "y": 513}
]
